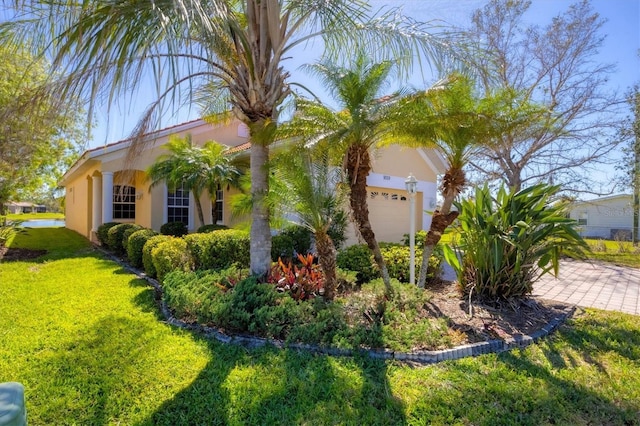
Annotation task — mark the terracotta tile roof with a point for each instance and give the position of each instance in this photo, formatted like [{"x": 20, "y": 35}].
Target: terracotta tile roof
[{"x": 242, "y": 147}]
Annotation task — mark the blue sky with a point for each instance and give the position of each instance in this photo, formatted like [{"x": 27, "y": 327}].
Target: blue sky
[{"x": 621, "y": 47}]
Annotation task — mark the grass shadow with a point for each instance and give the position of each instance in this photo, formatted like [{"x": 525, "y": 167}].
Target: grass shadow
[{"x": 273, "y": 386}]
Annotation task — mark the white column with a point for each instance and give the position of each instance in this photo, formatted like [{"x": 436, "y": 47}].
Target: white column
[
  {"x": 107, "y": 197},
  {"x": 96, "y": 182}
]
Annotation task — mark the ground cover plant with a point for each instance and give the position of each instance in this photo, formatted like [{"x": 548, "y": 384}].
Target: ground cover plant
[{"x": 90, "y": 349}]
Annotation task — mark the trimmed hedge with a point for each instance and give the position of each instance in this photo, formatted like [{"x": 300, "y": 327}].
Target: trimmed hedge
[
  {"x": 282, "y": 247},
  {"x": 219, "y": 249},
  {"x": 358, "y": 258},
  {"x": 175, "y": 229},
  {"x": 103, "y": 232},
  {"x": 171, "y": 255},
  {"x": 147, "y": 260},
  {"x": 115, "y": 236},
  {"x": 290, "y": 241},
  {"x": 135, "y": 243},
  {"x": 211, "y": 227},
  {"x": 127, "y": 234}
]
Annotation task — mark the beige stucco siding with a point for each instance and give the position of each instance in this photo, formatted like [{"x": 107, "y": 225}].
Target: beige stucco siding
[
  {"x": 396, "y": 160},
  {"x": 78, "y": 196}
]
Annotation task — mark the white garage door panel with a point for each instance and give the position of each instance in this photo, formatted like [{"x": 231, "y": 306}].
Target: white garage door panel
[{"x": 389, "y": 213}]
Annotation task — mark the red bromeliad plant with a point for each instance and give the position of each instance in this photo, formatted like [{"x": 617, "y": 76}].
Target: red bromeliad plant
[{"x": 301, "y": 282}]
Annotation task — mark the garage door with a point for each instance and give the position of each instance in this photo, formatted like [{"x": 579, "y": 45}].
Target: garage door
[{"x": 389, "y": 213}]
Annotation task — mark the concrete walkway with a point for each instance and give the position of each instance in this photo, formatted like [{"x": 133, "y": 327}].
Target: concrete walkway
[{"x": 593, "y": 284}]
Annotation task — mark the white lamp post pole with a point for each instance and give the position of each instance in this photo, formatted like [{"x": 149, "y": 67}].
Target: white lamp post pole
[{"x": 411, "y": 184}]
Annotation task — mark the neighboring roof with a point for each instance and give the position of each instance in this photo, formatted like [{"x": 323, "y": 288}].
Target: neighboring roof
[
  {"x": 20, "y": 204},
  {"x": 602, "y": 199}
]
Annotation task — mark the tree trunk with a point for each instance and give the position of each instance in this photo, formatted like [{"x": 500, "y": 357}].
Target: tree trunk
[
  {"x": 452, "y": 183},
  {"x": 327, "y": 261},
  {"x": 260, "y": 246},
  {"x": 196, "y": 198},
  {"x": 358, "y": 167}
]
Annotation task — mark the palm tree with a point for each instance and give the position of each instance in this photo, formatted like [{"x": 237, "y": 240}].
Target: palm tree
[
  {"x": 352, "y": 131},
  {"x": 450, "y": 118},
  {"x": 311, "y": 188},
  {"x": 198, "y": 169},
  {"x": 232, "y": 49}
]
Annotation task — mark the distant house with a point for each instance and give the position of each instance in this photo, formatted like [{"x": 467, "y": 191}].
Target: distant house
[
  {"x": 98, "y": 189},
  {"x": 18, "y": 207},
  {"x": 606, "y": 217}
]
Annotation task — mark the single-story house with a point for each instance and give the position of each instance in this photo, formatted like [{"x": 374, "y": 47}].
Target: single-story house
[
  {"x": 18, "y": 207},
  {"x": 606, "y": 217},
  {"x": 98, "y": 189}
]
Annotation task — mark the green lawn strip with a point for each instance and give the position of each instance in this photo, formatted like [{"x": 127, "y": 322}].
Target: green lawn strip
[
  {"x": 85, "y": 338},
  {"x": 617, "y": 252}
]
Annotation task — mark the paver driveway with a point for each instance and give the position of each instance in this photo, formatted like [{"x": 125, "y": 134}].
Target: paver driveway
[{"x": 593, "y": 284}]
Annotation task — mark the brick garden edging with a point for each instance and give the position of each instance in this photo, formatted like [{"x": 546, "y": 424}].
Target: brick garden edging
[{"x": 422, "y": 357}]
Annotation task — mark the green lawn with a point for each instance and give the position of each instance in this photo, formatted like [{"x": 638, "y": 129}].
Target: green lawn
[
  {"x": 85, "y": 339},
  {"x": 618, "y": 252}
]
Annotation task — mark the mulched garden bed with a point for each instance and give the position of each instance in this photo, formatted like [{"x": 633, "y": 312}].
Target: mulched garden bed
[
  {"x": 500, "y": 321},
  {"x": 17, "y": 254}
]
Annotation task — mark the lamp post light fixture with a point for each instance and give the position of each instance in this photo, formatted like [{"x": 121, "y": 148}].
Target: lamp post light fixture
[{"x": 411, "y": 184}]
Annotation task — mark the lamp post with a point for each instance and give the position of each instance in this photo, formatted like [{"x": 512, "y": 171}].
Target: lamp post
[{"x": 411, "y": 184}]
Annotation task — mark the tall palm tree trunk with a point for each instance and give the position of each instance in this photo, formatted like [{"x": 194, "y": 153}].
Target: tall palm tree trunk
[
  {"x": 358, "y": 168},
  {"x": 327, "y": 260},
  {"x": 260, "y": 256},
  {"x": 452, "y": 183}
]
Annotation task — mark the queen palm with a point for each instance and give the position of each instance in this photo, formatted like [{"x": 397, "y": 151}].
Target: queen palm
[
  {"x": 352, "y": 131},
  {"x": 199, "y": 169},
  {"x": 233, "y": 49},
  {"x": 310, "y": 186},
  {"x": 450, "y": 118}
]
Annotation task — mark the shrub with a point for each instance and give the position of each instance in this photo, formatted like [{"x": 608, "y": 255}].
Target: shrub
[
  {"x": 175, "y": 229},
  {"x": 301, "y": 237},
  {"x": 358, "y": 258},
  {"x": 115, "y": 236},
  {"x": 127, "y": 233},
  {"x": 219, "y": 249},
  {"x": 8, "y": 230},
  {"x": 282, "y": 247},
  {"x": 510, "y": 241},
  {"x": 211, "y": 227},
  {"x": 147, "y": 260},
  {"x": 103, "y": 232},
  {"x": 300, "y": 282},
  {"x": 171, "y": 255},
  {"x": 135, "y": 243},
  {"x": 398, "y": 260}
]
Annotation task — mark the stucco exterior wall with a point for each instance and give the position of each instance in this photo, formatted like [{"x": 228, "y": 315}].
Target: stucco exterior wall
[{"x": 78, "y": 196}]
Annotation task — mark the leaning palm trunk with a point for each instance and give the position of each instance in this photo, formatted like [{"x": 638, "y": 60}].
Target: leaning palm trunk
[
  {"x": 452, "y": 183},
  {"x": 196, "y": 197},
  {"x": 327, "y": 261},
  {"x": 358, "y": 167}
]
